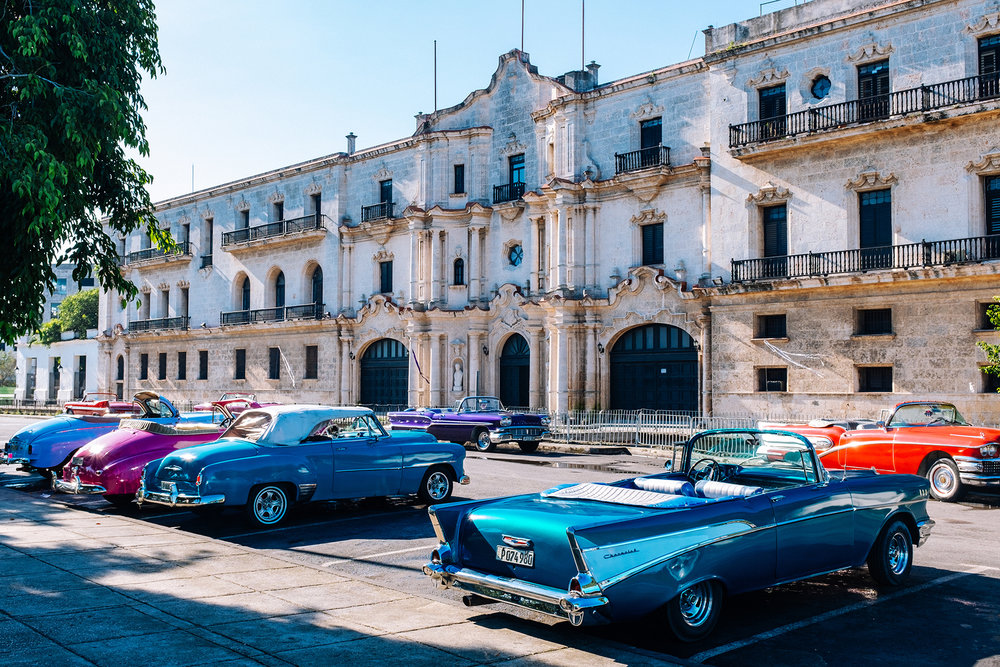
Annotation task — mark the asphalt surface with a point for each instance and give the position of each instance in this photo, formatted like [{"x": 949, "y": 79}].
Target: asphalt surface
[{"x": 948, "y": 614}]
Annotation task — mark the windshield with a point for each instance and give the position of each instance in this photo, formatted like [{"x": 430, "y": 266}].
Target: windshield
[
  {"x": 481, "y": 404},
  {"x": 767, "y": 454},
  {"x": 927, "y": 414},
  {"x": 250, "y": 426}
]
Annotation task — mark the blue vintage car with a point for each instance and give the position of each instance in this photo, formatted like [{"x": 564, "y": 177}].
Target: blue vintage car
[
  {"x": 481, "y": 420},
  {"x": 746, "y": 510},
  {"x": 273, "y": 457},
  {"x": 47, "y": 445}
]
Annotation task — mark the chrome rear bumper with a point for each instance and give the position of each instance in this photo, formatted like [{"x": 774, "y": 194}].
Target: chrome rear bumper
[
  {"x": 924, "y": 528},
  {"x": 173, "y": 498},
  {"x": 77, "y": 487}
]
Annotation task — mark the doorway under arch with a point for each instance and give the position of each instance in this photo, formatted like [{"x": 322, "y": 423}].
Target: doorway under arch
[
  {"x": 654, "y": 367},
  {"x": 515, "y": 363},
  {"x": 385, "y": 369}
]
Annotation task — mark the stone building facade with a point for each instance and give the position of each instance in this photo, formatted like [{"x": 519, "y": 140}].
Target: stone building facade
[{"x": 801, "y": 221}]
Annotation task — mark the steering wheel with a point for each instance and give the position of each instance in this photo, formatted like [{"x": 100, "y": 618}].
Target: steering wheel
[{"x": 711, "y": 470}]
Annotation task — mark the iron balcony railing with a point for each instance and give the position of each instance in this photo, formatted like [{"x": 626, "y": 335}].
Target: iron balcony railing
[
  {"x": 507, "y": 192},
  {"x": 912, "y": 255},
  {"x": 158, "y": 324},
  {"x": 644, "y": 158},
  {"x": 206, "y": 261},
  {"x": 306, "y": 223},
  {"x": 147, "y": 254},
  {"x": 832, "y": 116},
  {"x": 305, "y": 311},
  {"x": 379, "y": 211}
]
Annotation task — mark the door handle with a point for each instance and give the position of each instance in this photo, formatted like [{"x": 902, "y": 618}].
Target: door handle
[{"x": 775, "y": 499}]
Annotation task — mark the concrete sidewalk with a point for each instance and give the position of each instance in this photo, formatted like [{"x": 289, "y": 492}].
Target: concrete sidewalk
[{"x": 78, "y": 588}]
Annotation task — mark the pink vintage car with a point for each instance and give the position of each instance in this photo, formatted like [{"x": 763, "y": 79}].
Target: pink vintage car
[{"x": 110, "y": 465}]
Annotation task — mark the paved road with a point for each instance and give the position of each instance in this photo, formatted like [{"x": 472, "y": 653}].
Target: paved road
[{"x": 947, "y": 615}]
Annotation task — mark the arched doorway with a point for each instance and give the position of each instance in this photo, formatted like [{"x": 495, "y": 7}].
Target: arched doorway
[
  {"x": 385, "y": 373},
  {"x": 514, "y": 364},
  {"x": 654, "y": 367},
  {"x": 120, "y": 378}
]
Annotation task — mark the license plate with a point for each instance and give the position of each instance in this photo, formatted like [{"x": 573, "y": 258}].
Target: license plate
[
  {"x": 167, "y": 486},
  {"x": 77, "y": 461},
  {"x": 523, "y": 557}
]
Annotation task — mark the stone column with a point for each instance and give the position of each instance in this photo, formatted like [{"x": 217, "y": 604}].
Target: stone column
[
  {"x": 704, "y": 321},
  {"x": 475, "y": 343},
  {"x": 535, "y": 369},
  {"x": 433, "y": 371},
  {"x": 347, "y": 370},
  {"x": 475, "y": 284},
  {"x": 592, "y": 367},
  {"x": 442, "y": 252},
  {"x": 412, "y": 297},
  {"x": 535, "y": 247},
  {"x": 434, "y": 262}
]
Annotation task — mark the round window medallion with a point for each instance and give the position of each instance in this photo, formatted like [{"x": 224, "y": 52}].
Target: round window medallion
[
  {"x": 820, "y": 86},
  {"x": 515, "y": 255}
]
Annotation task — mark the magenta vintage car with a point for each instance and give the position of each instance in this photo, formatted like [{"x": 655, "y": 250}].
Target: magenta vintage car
[{"x": 110, "y": 465}]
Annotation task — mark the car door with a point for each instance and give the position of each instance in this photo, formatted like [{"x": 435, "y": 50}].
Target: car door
[
  {"x": 867, "y": 449},
  {"x": 366, "y": 463}
]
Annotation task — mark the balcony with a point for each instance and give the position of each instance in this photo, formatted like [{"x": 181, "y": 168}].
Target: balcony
[
  {"x": 159, "y": 324},
  {"x": 644, "y": 158},
  {"x": 882, "y": 107},
  {"x": 507, "y": 192},
  {"x": 156, "y": 255},
  {"x": 380, "y": 211},
  {"x": 292, "y": 229},
  {"x": 912, "y": 255},
  {"x": 306, "y": 311}
]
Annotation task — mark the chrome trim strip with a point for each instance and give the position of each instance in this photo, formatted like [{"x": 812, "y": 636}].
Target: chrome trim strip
[
  {"x": 160, "y": 498},
  {"x": 76, "y": 488},
  {"x": 464, "y": 480},
  {"x": 436, "y": 525}
]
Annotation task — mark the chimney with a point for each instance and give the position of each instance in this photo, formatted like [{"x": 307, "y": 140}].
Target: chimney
[
  {"x": 592, "y": 68},
  {"x": 351, "y": 138}
]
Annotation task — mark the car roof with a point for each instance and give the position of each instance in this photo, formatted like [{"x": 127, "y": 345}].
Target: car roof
[{"x": 294, "y": 422}]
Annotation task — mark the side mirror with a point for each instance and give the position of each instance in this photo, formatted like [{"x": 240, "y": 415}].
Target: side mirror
[
  {"x": 669, "y": 465},
  {"x": 880, "y": 424}
]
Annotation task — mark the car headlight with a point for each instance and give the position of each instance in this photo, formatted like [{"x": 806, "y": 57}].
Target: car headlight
[
  {"x": 546, "y": 420},
  {"x": 988, "y": 451},
  {"x": 505, "y": 421}
]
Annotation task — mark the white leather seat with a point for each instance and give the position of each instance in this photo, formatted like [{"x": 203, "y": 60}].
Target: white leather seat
[
  {"x": 709, "y": 489},
  {"x": 679, "y": 487}
]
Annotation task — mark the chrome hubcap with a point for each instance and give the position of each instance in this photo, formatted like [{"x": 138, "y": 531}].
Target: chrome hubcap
[
  {"x": 269, "y": 506},
  {"x": 899, "y": 553},
  {"x": 943, "y": 479},
  {"x": 484, "y": 441},
  {"x": 696, "y": 604},
  {"x": 437, "y": 485}
]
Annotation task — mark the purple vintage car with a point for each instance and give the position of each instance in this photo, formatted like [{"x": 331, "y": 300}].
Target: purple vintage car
[
  {"x": 47, "y": 445},
  {"x": 111, "y": 465},
  {"x": 481, "y": 420}
]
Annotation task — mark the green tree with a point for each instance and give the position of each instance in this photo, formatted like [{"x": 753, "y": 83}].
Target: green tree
[
  {"x": 78, "y": 312},
  {"x": 50, "y": 332},
  {"x": 70, "y": 104},
  {"x": 8, "y": 368},
  {"x": 992, "y": 350}
]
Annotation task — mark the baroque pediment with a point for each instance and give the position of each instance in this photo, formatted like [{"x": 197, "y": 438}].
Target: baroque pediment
[
  {"x": 989, "y": 163},
  {"x": 871, "y": 180},
  {"x": 768, "y": 76},
  {"x": 769, "y": 193},
  {"x": 870, "y": 52},
  {"x": 986, "y": 23}
]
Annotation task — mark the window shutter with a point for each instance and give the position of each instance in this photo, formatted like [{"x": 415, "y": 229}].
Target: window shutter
[{"x": 993, "y": 205}]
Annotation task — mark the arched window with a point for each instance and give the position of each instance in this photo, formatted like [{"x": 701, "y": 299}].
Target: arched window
[
  {"x": 458, "y": 273},
  {"x": 245, "y": 291},
  {"x": 121, "y": 368},
  {"x": 317, "y": 288},
  {"x": 279, "y": 290}
]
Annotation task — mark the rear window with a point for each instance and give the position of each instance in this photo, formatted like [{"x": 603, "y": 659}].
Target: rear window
[{"x": 249, "y": 426}]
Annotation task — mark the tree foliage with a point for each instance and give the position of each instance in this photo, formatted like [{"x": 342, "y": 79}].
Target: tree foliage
[
  {"x": 50, "y": 332},
  {"x": 992, "y": 350},
  {"x": 70, "y": 104},
  {"x": 78, "y": 312},
  {"x": 8, "y": 368}
]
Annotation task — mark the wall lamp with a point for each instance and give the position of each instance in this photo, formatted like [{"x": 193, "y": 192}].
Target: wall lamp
[
  {"x": 600, "y": 348},
  {"x": 351, "y": 355},
  {"x": 486, "y": 351}
]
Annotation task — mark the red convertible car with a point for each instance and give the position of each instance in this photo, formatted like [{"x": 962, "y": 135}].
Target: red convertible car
[
  {"x": 99, "y": 403},
  {"x": 926, "y": 438}
]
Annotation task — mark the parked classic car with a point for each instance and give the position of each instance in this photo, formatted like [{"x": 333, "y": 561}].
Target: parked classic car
[
  {"x": 99, "y": 403},
  {"x": 273, "y": 457},
  {"x": 482, "y": 420},
  {"x": 110, "y": 465},
  {"x": 47, "y": 445},
  {"x": 249, "y": 401},
  {"x": 729, "y": 520},
  {"x": 926, "y": 438}
]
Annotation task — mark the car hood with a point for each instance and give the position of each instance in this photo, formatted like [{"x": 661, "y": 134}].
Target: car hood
[{"x": 185, "y": 464}]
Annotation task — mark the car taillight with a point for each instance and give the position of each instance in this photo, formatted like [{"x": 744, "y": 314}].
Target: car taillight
[
  {"x": 197, "y": 480},
  {"x": 575, "y": 587}
]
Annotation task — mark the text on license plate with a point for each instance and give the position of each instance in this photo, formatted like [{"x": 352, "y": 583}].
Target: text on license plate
[
  {"x": 524, "y": 557},
  {"x": 167, "y": 486}
]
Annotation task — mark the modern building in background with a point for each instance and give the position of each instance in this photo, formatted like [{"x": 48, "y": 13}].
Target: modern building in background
[
  {"x": 65, "y": 370},
  {"x": 805, "y": 220}
]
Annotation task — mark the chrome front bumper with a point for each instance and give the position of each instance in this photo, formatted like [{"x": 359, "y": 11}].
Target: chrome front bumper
[
  {"x": 172, "y": 498},
  {"x": 77, "y": 487},
  {"x": 464, "y": 479},
  {"x": 924, "y": 529},
  {"x": 978, "y": 472},
  {"x": 519, "y": 433},
  {"x": 544, "y": 599}
]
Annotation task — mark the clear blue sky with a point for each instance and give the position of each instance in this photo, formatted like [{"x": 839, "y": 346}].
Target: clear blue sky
[{"x": 252, "y": 86}]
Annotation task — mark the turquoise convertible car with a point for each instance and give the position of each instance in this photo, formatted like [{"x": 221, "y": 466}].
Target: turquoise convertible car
[
  {"x": 747, "y": 509},
  {"x": 273, "y": 457}
]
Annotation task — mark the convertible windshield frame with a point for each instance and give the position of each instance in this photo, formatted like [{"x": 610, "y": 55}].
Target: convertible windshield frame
[
  {"x": 781, "y": 454},
  {"x": 927, "y": 414}
]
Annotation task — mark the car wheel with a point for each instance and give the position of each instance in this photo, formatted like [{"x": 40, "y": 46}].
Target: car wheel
[
  {"x": 267, "y": 505},
  {"x": 483, "y": 442},
  {"x": 528, "y": 447},
  {"x": 436, "y": 486},
  {"x": 120, "y": 501},
  {"x": 692, "y": 615},
  {"x": 891, "y": 556},
  {"x": 945, "y": 482}
]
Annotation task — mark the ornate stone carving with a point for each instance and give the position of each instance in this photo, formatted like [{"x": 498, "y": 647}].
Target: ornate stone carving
[
  {"x": 382, "y": 174},
  {"x": 183, "y": 284},
  {"x": 648, "y": 216},
  {"x": 870, "y": 52},
  {"x": 768, "y": 76},
  {"x": 383, "y": 256},
  {"x": 769, "y": 193},
  {"x": 276, "y": 197},
  {"x": 163, "y": 286},
  {"x": 314, "y": 189},
  {"x": 207, "y": 214},
  {"x": 184, "y": 220},
  {"x": 242, "y": 205},
  {"x": 646, "y": 110},
  {"x": 986, "y": 23},
  {"x": 145, "y": 289},
  {"x": 871, "y": 180},
  {"x": 513, "y": 146},
  {"x": 989, "y": 164}
]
